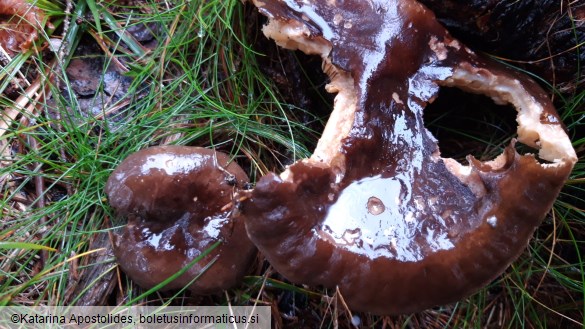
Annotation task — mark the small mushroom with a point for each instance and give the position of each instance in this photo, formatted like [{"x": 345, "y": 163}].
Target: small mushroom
[
  {"x": 376, "y": 211},
  {"x": 178, "y": 201}
]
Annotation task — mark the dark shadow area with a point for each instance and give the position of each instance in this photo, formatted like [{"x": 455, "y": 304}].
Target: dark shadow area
[
  {"x": 466, "y": 123},
  {"x": 298, "y": 77}
]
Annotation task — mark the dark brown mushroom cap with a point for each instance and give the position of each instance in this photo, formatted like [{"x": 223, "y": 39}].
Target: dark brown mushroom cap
[
  {"x": 376, "y": 211},
  {"x": 178, "y": 202}
]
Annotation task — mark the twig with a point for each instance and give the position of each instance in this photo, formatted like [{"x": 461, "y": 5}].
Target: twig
[
  {"x": 39, "y": 190},
  {"x": 37, "y": 168},
  {"x": 64, "y": 49},
  {"x": 8, "y": 116}
]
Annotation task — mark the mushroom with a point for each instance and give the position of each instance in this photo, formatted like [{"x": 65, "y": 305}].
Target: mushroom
[
  {"x": 376, "y": 211},
  {"x": 178, "y": 202}
]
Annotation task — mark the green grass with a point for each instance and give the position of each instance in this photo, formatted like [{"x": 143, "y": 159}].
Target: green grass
[{"x": 202, "y": 85}]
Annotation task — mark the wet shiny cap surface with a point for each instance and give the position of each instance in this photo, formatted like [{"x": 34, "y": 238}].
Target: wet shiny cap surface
[
  {"x": 376, "y": 211},
  {"x": 178, "y": 201}
]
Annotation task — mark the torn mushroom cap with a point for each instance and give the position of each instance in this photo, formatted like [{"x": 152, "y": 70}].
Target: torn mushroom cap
[
  {"x": 376, "y": 211},
  {"x": 178, "y": 201}
]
